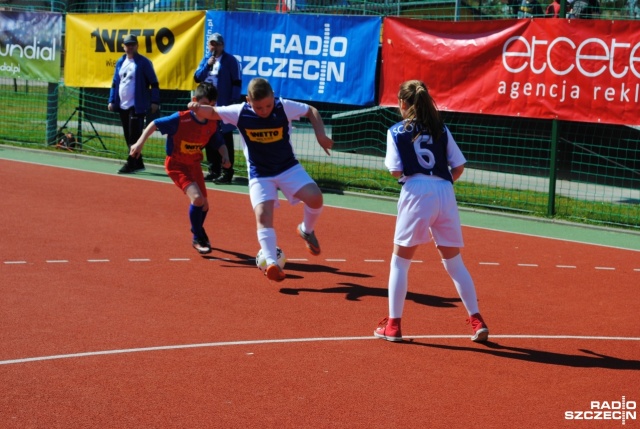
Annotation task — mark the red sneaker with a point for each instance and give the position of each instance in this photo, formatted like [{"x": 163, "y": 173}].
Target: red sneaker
[
  {"x": 275, "y": 273},
  {"x": 480, "y": 329},
  {"x": 389, "y": 329}
]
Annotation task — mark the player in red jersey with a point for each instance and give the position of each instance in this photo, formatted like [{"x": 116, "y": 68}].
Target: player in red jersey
[{"x": 187, "y": 133}]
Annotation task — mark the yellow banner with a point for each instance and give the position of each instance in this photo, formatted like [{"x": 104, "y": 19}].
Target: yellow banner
[{"x": 173, "y": 41}]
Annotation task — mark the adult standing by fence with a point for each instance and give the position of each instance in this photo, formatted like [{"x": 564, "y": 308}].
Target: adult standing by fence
[
  {"x": 131, "y": 98},
  {"x": 223, "y": 70}
]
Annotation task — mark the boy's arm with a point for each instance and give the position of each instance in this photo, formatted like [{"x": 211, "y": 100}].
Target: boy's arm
[
  {"x": 224, "y": 154},
  {"x": 318, "y": 127},
  {"x": 136, "y": 149},
  {"x": 204, "y": 111}
]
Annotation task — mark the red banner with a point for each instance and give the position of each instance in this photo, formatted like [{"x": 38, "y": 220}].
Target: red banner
[{"x": 577, "y": 70}]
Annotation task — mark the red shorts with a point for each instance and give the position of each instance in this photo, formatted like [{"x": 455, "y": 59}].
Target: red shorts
[{"x": 185, "y": 174}]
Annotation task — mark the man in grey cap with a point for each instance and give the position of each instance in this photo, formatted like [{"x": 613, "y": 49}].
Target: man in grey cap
[
  {"x": 222, "y": 70},
  {"x": 131, "y": 98}
]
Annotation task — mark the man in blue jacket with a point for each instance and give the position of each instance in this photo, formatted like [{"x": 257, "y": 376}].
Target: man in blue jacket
[
  {"x": 222, "y": 70},
  {"x": 131, "y": 98}
]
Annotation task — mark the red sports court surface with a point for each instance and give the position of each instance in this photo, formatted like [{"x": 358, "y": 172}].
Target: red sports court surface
[{"x": 111, "y": 320}]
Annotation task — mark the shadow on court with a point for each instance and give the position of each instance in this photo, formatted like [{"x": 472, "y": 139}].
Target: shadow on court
[
  {"x": 354, "y": 292},
  {"x": 589, "y": 359}
]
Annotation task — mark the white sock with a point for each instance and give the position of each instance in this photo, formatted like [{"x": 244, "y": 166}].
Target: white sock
[
  {"x": 398, "y": 285},
  {"x": 310, "y": 218},
  {"x": 267, "y": 240},
  {"x": 463, "y": 282}
]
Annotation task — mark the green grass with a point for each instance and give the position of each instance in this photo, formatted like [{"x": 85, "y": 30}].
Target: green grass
[{"x": 24, "y": 124}]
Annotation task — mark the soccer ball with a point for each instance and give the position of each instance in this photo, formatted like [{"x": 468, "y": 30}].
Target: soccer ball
[{"x": 261, "y": 262}]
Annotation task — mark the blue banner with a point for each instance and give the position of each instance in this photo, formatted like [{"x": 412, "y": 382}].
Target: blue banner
[{"x": 328, "y": 58}]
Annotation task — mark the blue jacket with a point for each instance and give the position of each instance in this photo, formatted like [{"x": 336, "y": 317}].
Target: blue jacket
[
  {"x": 145, "y": 78},
  {"x": 229, "y": 81}
]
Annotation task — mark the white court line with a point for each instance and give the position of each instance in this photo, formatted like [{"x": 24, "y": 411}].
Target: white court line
[
  {"x": 14, "y": 262},
  {"x": 298, "y": 340},
  {"x": 374, "y": 260},
  {"x": 179, "y": 259},
  {"x": 489, "y": 263},
  {"x": 139, "y": 260},
  {"x": 566, "y": 266},
  {"x": 606, "y": 268},
  {"x": 57, "y": 261},
  {"x": 527, "y": 265},
  {"x": 97, "y": 260}
]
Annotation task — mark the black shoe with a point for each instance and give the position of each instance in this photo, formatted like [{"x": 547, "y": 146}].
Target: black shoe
[
  {"x": 126, "y": 169},
  {"x": 202, "y": 246},
  {"x": 206, "y": 237},
  {"x": 226, "y": 177},
  {"x": 138, "y": 166},
  {"x": 211, "y": 177}
]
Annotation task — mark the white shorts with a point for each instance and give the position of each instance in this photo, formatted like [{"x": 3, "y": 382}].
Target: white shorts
[
  {"x": 263, "y": 189},
  {"x": 427, "y": 207}
]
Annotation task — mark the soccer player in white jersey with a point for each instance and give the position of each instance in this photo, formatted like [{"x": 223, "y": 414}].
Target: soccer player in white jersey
[
  {"x": 425, "y": 158},
  {"x": 264, "y": 122}
]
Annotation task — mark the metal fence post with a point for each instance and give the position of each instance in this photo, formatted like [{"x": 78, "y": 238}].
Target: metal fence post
[{"x": 551, "y": 204}]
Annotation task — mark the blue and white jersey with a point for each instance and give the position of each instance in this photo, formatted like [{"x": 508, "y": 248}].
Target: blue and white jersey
[
  {"x": 421, "y": 155},
  {"x": 266, "y": 142}
]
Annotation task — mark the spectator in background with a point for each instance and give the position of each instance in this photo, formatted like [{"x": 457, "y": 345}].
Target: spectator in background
[
  {"x": 553, "y": 10},
  {"x": 131, "y": 98},
  {"x": 223, "y": 71},
  {"x": 634, "y": 9},
  {"x": 514, "y": 7},
  {"x": 585, "y": 9},
  {"x": 593, "y": 9},
  {"x": 530, "y": 9}
]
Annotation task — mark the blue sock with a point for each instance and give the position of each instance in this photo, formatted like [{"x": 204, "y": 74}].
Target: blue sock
[{"x": 196, "y": 217}]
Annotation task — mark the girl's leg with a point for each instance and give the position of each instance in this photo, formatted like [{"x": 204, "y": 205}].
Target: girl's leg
[
  {"x": 452, "y": 261},
  {"x": 390, "y": 329},
  {"x": 399, "y": 278}
]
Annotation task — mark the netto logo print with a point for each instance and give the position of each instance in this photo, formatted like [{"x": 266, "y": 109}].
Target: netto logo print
[
  {"x": 267, "y": 135},
  {"x": 189, "y": 147},
  {"x": 148, "y": 40}
]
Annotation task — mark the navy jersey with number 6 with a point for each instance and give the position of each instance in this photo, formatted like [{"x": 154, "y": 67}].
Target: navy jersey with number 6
[{"x": 421, "y": 154}]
